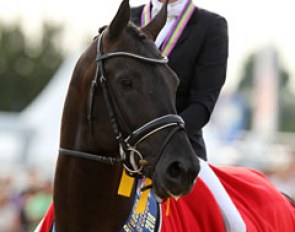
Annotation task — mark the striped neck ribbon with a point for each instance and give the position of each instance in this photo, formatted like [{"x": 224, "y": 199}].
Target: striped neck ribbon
[{"x": 176, "y": 29}]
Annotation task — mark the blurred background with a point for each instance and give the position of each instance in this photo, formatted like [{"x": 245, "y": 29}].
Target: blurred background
[{"x": 253, "y": 123}]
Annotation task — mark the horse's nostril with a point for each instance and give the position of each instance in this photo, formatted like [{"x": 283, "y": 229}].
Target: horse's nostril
[{"x": 175, "y": 169}]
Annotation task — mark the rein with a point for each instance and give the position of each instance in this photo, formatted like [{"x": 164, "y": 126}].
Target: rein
[{"x": 127, "y": 147}]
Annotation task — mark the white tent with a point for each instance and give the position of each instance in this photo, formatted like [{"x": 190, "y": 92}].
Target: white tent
[
  {"x": 43, "y": 116},
  {"x": 32, "y": 136}
]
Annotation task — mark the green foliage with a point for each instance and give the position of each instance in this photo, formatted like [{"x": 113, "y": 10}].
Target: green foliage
[
  {"x": 246, "y": 83},
  {"x": 25, "y": 66},
  {"x": 287, "y": 111},
  {"x": 245, "y": 87},
  {"x": 286, "y": 98}
]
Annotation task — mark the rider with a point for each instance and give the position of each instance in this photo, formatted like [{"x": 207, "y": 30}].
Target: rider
[{"x": 196, "y": 42}]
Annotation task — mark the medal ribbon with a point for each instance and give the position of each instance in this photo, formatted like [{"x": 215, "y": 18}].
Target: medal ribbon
[{"x": 176, "y": 29}]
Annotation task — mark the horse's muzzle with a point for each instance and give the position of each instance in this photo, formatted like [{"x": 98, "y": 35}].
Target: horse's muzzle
[{"x": 175, "y": 179}]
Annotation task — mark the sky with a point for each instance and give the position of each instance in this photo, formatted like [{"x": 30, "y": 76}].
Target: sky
[{"x": 253, "y": 24}]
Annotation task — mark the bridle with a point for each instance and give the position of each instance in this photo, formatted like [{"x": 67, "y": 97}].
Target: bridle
[{"x": 131, "y": 158}]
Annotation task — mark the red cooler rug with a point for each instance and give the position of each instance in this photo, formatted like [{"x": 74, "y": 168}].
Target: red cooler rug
[{"x": 223, "y": 199}]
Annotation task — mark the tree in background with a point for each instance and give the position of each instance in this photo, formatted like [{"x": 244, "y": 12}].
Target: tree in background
[
  {"x": 286, "y": 97},
  {"x": 25, "y": 66}
]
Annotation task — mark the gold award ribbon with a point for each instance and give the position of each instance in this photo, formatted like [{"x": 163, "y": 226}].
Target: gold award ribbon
[
  {"x": 141, "y": 204},
  {"x": 126, "y": 185}
]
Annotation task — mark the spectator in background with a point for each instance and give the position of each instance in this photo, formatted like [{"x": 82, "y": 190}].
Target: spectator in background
[
  {"x": 282, "y": 175},
  {"x": 33, "y": 201},
  {"x": 196, "y": 42},
  {"x": 9, "y": 221},
  {"x": 36, "y": 205},
  {"x": 24, "y": 199}
]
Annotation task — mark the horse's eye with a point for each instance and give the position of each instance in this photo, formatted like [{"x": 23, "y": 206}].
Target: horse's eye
[{"x": 127, "y": 84}]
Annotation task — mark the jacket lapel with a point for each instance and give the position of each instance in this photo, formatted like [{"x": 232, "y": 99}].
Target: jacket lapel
[{"x": 187, "y": 30}]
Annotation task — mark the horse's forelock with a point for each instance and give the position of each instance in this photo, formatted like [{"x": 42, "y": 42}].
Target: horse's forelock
[
  {"x": 136, "y": 31},
  {"x": 132, "y": 39}
]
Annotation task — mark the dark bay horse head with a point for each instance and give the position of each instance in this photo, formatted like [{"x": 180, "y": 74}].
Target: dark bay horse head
[{"x": 122, "y": 98}]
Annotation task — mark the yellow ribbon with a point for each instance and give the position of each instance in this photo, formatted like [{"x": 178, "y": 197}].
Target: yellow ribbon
[
  {"x": 126, "y": 185},
  {"x": 168, "y": 206},
  {"x": 141, "y": 204}
]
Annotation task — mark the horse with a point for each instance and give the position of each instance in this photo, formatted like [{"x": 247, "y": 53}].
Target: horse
[{"x": 125, "y": 162}]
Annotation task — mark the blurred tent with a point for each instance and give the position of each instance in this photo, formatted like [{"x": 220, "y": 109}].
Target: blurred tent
[{"x": 32, "y": 137}]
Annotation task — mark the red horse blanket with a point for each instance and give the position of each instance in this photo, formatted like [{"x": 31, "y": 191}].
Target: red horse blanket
[{"x": 261, "y": 206}]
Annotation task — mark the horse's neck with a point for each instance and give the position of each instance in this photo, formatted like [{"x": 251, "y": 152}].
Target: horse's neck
[{"x": 85, "y": 196}]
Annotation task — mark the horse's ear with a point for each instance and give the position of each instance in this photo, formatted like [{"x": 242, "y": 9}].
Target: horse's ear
[
  {"x": 120, "y": 21},
  {"x": 154, "y": 27}
]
